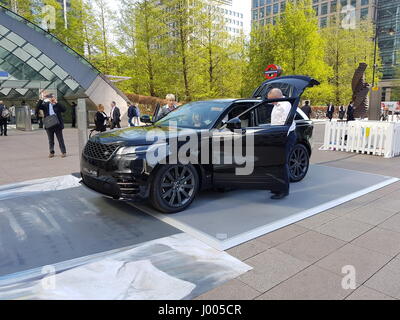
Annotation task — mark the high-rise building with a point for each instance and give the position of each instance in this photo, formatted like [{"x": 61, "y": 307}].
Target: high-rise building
[
  {"x": 386, "y": 13},
  {"x": 233, "y": 15}
]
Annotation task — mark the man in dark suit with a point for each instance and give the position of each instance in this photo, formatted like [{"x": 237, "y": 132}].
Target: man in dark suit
[
  {"x": 330, "y": 111},
  {"x": 307, "y": 109},
  {"x": 50, "y": 106},
  {"x": 73, "y": 114},
  {"x": 350, "y": 112},
  {"x": 115, "y": 116},
  {"x": 3, "y": 120},
  {"x": 342, "y": 112}
]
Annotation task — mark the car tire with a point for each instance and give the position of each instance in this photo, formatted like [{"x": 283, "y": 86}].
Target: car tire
[
  {"x": 174, "y": 188},
  {"x": 299, "y": 162}
]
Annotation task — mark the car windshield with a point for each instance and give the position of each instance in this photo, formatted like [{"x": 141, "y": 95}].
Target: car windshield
[{"x": 195, "y": 115}]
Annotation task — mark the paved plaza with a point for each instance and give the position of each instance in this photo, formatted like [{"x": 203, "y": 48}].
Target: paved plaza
[{"x": 305, "y": 260}]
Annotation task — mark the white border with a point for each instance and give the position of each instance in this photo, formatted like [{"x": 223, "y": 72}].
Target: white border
[{"x": 260, "y": 231}]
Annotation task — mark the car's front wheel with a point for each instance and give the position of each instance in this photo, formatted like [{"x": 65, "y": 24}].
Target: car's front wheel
[
  {"x": 174, "y": 188},
  {"x": 299, "y": 162}
]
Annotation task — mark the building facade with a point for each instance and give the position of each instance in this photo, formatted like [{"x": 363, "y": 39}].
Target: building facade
[
  {"x": 386, "y": 13},
  {"x": 233, "y": 15}
]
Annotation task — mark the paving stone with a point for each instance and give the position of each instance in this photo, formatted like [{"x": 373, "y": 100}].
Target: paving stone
[
  {"x": 344, "y": 229},
  {"x": 387, "y": 280},
  {"x": 279, "y": 236},
  {"x": 270, "y": 268},
  {"x": 365, "y": 293},
  {"x": 248, "y": 249},
  {"x": 232, "y": 290},
  {"x": 312, "y": 283},
  {"x": 380, "y": 240},
  {"x": 370, "y": 215},
  {"x": 393, "y": 223},
  {"x": 317, "y": 220},
  {"x": 311, "y": 246},
  {"x": 365, "y": 262}
]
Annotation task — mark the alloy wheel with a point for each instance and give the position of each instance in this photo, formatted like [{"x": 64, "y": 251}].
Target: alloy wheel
[
  {"x": 298, "y": 163},
  {"x": 177, "y": 186}
]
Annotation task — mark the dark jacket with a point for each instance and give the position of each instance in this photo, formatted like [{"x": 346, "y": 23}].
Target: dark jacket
[
  {"x": 116, "y": 116},
  {"x": 58, "y": 110},
  {"x": 99, "y": 121},
  {"x": 307, "y": 110},
  {"x": 132, "y": 112},
  {"x": 330, "y": 111}
]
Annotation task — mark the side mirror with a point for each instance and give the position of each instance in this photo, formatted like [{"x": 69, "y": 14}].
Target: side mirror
[
  {"x": 145, "y": 119},
  {"x": 234, "y": 124}
]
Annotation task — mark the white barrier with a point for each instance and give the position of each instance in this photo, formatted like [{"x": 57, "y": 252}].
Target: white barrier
[{"x": 370, "y": 137}]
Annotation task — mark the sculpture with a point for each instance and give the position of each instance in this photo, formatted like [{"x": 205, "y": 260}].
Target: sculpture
[{"x": 360, "y": 91}]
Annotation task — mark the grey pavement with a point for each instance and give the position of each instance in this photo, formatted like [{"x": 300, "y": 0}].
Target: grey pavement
[{"x": 304, "y": 260}]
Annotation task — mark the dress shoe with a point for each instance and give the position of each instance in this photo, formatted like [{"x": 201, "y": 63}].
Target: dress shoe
[
  {"x": 51, "y": 155},
  {"x": 279, "y": 196},
  {"x": 64, "y": 155}
]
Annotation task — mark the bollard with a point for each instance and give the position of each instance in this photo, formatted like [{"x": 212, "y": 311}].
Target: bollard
[{"x": 81, "y": 113}]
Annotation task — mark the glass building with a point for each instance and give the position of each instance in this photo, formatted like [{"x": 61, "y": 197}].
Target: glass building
[
  {"x": 33, "y": 60},
  {"x": 386, "y": 13}
]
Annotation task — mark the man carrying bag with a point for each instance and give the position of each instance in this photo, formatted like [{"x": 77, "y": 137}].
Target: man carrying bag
[{"x": 53, "y": 122}]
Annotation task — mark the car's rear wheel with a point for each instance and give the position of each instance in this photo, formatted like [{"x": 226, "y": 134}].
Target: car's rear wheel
[
  {"x": 299, "y": 162},
  {"x": 174, "y": 188}
]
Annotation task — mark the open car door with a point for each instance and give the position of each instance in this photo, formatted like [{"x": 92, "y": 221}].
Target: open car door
[{"x": 269, "y": 141}]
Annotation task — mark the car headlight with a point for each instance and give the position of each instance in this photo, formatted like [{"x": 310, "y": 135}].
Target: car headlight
[{"x": 131, "y": 151}]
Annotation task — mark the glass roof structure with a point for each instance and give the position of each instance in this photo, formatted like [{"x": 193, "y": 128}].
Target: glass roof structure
[{"x": 36, "y": 60}]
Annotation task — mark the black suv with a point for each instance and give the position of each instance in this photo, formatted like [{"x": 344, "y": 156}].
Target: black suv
[{"x": 146, "y": 162}]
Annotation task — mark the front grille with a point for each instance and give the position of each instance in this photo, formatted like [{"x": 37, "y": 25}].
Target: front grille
[{"x": 100, "y": 151}]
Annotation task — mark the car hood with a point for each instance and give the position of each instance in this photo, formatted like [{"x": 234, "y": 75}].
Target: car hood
[{"x": 138, "y": 136}]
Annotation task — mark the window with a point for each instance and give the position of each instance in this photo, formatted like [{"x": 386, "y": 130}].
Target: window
[
  {"x": 261, "y": 16},
  {"x": 354, "y": 3},
  {"x": 333, "y": 6},
  {"x": 268, "y": 11},
  {"x": 364, "y": 13},
  {"x": 255, "y": 14},
  {"x": 262, "y": 2},
  {"x": 283, "y": 6},
  {"x": 364, "y": 2},
  {"x": 323, "y": 22},
  {"x": 276, "y": 8},
  {"x": 343, "y": 3},
  {"x": 324, "y": 8},
  {"x": 315, "y": 9}
]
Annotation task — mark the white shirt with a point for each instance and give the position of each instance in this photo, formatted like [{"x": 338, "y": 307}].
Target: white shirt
[
  {"x": 280, "y": 113},
  {"x": 51, "y": 110},
  {"x": 112, "y": 113}
]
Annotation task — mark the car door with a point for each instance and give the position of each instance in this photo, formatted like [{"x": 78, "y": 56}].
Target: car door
[{"x": 268, "y": 141}]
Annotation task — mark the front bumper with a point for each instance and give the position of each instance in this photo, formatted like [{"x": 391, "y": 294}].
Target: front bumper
[{"x": 117, "y": 178}]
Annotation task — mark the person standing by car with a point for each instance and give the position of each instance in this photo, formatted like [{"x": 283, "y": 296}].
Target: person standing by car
[
  {"x": 330, "y": 111},
  {"x": 307, "y": 109},
  {"x": 54, "y": 123},
  {"x": 279, "y": 116},
  {"x": 115, "y": 116},
  {"x": 131, "y": 113},
  {"x": 169, "y": 107},
  {"x": 4, "y": 115},
  {"x": 100, "y": 119}
]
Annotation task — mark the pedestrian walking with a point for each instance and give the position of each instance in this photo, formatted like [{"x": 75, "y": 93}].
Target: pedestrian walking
[
  {"x": 342, "y": 112},
  {"x": 307, "y": 109},
  {"x": 136, "y": 120},
  {"x": 12, "y": 113},
  {"x": 350, "y": 112},
  {"x": 4, "y": 116},
  {"x": 100, "y": 119},
  {"x": 131, "y": 113},
  {"x": 330, "y": 110},
  {"x": 115, "y": 116},
  {"x": 53, "y": 122}
]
